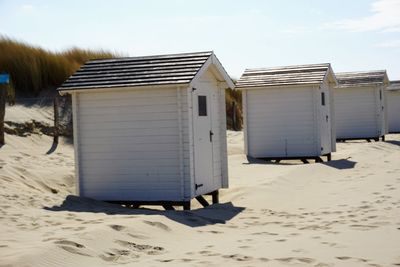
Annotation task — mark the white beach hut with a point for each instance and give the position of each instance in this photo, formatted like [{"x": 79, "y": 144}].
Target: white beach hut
[
  {"x": 360, "y": 105},
  {"x": 288, "y": 112},
  {"x": 150, "y": 130},
  {"x": 393, "y": 106}
]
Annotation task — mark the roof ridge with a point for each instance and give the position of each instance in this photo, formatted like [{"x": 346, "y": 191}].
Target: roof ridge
[
  {"x": 291, "y": 66},
  {"x": 208, "y": 53},
  {"x": 361, "y": 72}
]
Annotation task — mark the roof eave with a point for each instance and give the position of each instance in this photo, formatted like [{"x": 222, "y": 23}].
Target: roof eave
[
  {"x": 62, "y": 91},
  {"x": 331, "y": 77},
  {"x": 244, "y": 87},
  {"x": 220, "y": 72}
]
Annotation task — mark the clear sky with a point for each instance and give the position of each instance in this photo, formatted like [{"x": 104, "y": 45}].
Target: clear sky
[{"x": 353, "y": 35}]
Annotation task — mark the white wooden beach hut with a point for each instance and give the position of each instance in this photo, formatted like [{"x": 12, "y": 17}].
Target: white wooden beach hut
[
  {"x": 150, "y": 130},
  {"x": 288, "y": 112},
  {"x": 393, "y": 106},
  {"x": 360, "y": 105}
]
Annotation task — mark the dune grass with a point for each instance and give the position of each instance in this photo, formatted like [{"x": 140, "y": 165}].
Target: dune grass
[
  {"x": 233, "y": 99},
  {"x": 34, "y": 69}
]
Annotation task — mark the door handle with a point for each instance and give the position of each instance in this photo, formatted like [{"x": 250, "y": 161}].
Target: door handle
[
  {"x": 197, "y": 186},
  {"x": 327, "y": 117},
  {"x": 211, "y": 135}
]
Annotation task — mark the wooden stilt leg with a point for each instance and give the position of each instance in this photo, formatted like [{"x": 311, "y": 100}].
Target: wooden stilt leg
[
  {"x": 318, "y": 159},
  {"x": 202, "y": 201},
  {"x": 329, "y": 157},
  {"x": 383, "y": 138},
  {"x": 186, "y": 206},
  {"x": 304, "y": 161},
  {"x": 215, "y": 197}
]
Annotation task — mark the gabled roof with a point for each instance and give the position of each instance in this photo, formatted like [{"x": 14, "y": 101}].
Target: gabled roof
[
  {"x": 312, "y": 74},
  {"x": 394, "y": 85},
  {"x": 143, "y": 71},
  {"x": 362, "y": 78}
]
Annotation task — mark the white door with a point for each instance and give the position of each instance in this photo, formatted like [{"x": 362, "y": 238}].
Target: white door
[
  {"x": 202, "y": 132},
  {"x": 382, "y": 112},
  {"x": 325, "y": 123}
]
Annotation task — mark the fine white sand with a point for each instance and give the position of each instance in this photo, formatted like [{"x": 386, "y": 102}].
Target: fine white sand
[{"x": 343, "y": 213}]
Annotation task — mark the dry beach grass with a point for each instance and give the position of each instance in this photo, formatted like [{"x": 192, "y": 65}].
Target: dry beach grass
[{"x": 342, "y": 213}]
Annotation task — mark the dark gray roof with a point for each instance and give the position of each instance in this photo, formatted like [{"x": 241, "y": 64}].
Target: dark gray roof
[
  {"x": 287, "y": 75},
  {"x": 394, "y": 85},
  {"x": 360, "y": 78},
  {"x": 137, "y": 71}
]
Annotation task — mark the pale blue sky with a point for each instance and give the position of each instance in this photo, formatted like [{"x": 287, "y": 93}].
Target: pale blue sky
[{"x": 352, "y": 35}]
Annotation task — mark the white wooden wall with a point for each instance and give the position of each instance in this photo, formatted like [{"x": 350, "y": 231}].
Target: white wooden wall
[
  {"x": 393, "y": 110},
  {"x": 281, "y": 122},
  {"x": 356, "y": 111},
  {"x": 130, "y": 147}
]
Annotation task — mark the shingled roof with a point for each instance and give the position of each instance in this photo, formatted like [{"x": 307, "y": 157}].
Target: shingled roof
[
  {"x": 394, "y": 85},
  {"x": 288, "y": 75},
  {"x": 138, "y": 71},
  {"x": 361, "y": 78}
]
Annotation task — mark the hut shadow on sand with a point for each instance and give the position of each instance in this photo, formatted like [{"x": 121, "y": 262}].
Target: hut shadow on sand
[
  {"x": 251, "y": 160},
  {"x": 393, "y": 142},
  {"x": 341, "y": 164},
  {"x": 214, "y": 214}
]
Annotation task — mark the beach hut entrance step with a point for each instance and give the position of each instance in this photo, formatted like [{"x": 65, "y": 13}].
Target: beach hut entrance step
[
  {"x": 169, "y": 205},
  {"x": 305, "y": 160},
  {"x": 368, "y": 139}
]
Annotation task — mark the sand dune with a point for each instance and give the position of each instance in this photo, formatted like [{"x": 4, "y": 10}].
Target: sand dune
[{"x": 342, "y": 213}]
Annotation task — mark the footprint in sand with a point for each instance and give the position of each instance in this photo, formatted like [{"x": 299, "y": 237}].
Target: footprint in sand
[
  {"x": 264, "y": 233},
  {"x": 209, "y": 253},
  {"x": 186, "y": 260},
  {"x": 343, "y": 258},
  {"x": 138, "y": 236},
  {"x": 147, "y": 249},
  {"x": 158, "y": 225},
  {"x": 118, "y": 256},
  {"x": 363, "y": 227},
  {"x": 167, "y": 260},
  {"x": 117, "y": 227},
  {"x": 330, "y": 244},
  {"x": 69, "y": 243},
  {"x": 72, "y": 247},
  {"x": 294, "y": 259},
  {"x": 238, "y": 257}
]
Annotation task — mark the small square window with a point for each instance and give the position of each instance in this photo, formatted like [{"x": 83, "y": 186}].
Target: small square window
[
  {"x": 380, "y": 94},
  {"x": 323, "y": 98},
  {"x": 202, "y": 105}
]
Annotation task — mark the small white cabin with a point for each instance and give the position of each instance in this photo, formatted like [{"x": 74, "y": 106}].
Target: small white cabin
[
  {"x": 288, "y": 112},
  {"x": 150, "y": 130},
  {"x": 360, "y": 105},
  {"x": 393, "y": 106}
]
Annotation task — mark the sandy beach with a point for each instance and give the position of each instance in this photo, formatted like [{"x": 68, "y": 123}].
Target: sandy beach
[{"x": 342, "y": 213}]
